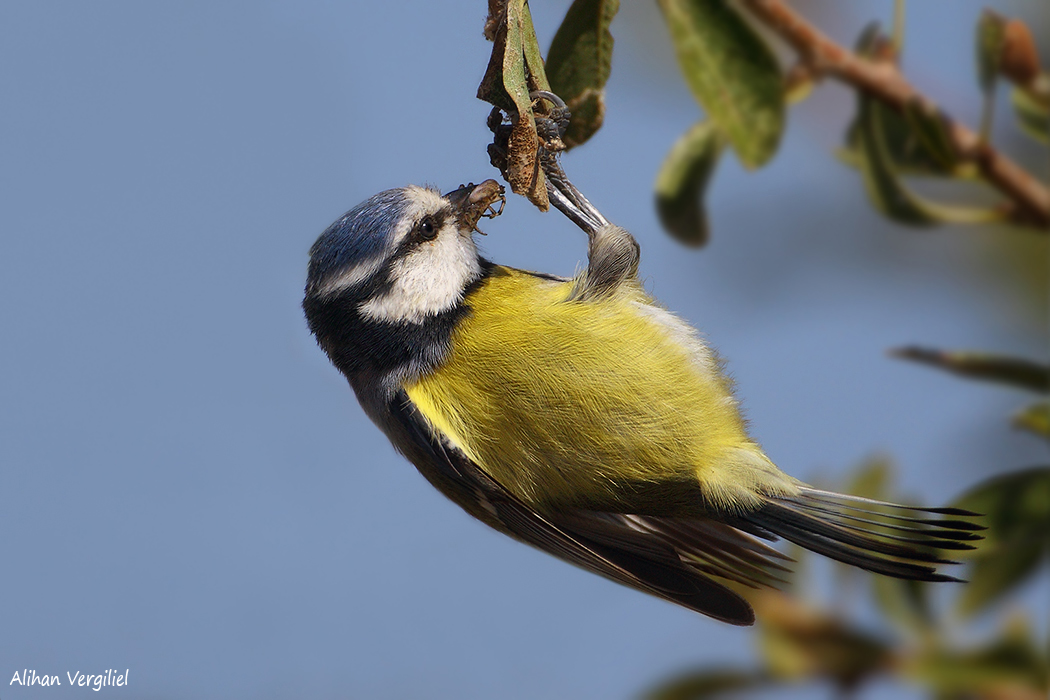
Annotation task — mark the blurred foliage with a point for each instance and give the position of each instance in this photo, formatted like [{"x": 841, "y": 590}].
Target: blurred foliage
[
  {"x": 886, "y": 144},
  {"x": 578, "y": 65},
  {"x": 1035, "y": 418},
  {"x": 738, "y": 81},
  {"x": 1026, "y": 374},
  {"x": 682, "y": 180},
  {"x": 1017, "y": 514},
  {"x": 800, "y": 642},
  {"x": 1032, "y": 114},
  {"x": 732, "y": 73}
]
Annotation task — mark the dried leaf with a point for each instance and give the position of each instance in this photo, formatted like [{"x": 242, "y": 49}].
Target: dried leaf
[
  {"x": 1026, "y": 374},
  {"x": 731, "y": 72},
  {"x": 491, "y": 89},
  {"x": 578, "y": 65},
  {"x": 682, "y": 181},
  {"x": 1019, "y": 59},
  {"x": 515, "y": 68}
]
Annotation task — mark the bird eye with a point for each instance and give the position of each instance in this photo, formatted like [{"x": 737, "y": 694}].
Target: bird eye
[{"x": 427, "y": 230}]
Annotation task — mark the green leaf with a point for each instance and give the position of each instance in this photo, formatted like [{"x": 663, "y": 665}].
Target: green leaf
[
  {"x": 731, "y": 72},
  {"x": 578, "y": 65},
  {"x": 1017, "y": 514},
  {"x": 697, "y": 685},
  {"x": 516, "y": 68},
  {"x": 908, "y": 153},
  {"x": 1034, "y": 376},
  {"x": 885, "y": 189},
  {"x": 536, "y": 76},
  {"x": 1033, "y": 117},
  {"x": 930, "y": 127},
  {"x": 682, "y": 181},
  {"x": 1035, "y": 419},
  {"x": 1014, "y": 504},
  {"x": 997, "y": 572},
  {"x": 989, "y": 48}
]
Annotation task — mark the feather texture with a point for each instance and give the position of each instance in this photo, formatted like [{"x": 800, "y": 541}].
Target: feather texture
[
  {"x": 592, "y": 405},
  {"x": 579, "y": 416}
]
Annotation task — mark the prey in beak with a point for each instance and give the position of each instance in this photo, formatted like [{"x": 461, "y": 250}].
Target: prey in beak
[{"x": 471, "y": 202}]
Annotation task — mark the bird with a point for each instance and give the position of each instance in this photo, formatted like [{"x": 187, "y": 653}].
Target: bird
[{"x": 579, "y": 415}]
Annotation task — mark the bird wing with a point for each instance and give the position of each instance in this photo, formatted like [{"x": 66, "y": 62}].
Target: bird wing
[{"x": 670, "y": 558}]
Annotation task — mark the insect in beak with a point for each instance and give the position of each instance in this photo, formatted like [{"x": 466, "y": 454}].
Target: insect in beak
[{"x": 472, "y": 202}]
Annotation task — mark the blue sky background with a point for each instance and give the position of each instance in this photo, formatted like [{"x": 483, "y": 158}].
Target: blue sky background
[{"x": 191, "y": 491}]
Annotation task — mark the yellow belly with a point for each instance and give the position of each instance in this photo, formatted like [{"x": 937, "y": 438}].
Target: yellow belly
[{"x": 566, "y": 401}]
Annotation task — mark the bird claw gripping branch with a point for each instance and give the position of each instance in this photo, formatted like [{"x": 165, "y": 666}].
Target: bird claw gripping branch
[{"x": 550, "y": 128}]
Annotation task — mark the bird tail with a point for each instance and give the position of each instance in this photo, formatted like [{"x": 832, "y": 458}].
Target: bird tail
[{"x": 887, "y": 538}]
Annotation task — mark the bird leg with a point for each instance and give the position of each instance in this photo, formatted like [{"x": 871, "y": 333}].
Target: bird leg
[
  {"x": 562, "y": 193},
  {"x": 612, "y": 253}
]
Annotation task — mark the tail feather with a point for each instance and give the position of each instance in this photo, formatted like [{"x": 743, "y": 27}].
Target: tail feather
[
  {"x": 776, "y": 514},
  {"x": 955, "y": 538},
  {"x": 887, "y": 540},
  {"x": 942, "y": 523}
]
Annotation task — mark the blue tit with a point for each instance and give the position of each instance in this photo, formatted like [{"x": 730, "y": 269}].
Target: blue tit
[{"x": 579, "y": 415}]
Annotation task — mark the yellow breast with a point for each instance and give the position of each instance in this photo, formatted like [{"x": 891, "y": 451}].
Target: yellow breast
[{"x": 566, "y": 401}]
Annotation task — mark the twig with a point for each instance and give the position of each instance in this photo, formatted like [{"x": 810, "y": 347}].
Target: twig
[{"x": 1029, "y": 199}]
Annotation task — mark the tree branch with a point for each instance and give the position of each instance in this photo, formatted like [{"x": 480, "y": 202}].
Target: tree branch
[{"x": 1029, "y": 199}]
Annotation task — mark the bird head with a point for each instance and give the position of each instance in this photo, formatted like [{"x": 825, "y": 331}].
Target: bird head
[
  {"x": 386, "y": 280},
  {"x": 404, "y": 254}
]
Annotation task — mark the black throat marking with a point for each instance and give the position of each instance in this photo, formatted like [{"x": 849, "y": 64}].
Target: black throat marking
[{"x": 362, "y": 347}]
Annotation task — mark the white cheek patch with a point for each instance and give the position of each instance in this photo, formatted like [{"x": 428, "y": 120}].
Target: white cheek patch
[
  {"x": 427, "y": 281},
  {"x": 419, "y": 201}
]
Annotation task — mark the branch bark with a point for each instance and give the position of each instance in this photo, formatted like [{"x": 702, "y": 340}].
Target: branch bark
[{"x": 1029, "y": 199}]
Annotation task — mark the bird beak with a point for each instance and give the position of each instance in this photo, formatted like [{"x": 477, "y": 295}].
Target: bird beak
[{"x": 471, "y": 202}]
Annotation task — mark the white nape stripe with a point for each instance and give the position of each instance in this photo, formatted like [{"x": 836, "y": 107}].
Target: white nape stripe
[
  {"x": 352, "y": 276},
  {"x": 432, "y": 278}
]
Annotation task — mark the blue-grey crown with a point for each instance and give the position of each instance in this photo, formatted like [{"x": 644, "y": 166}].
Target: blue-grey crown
[{"x": 358, "y": 236}]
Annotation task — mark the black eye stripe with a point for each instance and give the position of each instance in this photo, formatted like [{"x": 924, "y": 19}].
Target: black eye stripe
[
  {"x": 428, "y": 227},
  {"x": 415, "y": 237}
]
